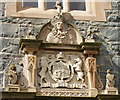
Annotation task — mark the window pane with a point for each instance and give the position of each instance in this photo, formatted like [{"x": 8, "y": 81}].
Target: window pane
[
  {"x": 51, "y": 3},
  {"x": 30, "y": 3},
  {"x": 77, "y": 5}
]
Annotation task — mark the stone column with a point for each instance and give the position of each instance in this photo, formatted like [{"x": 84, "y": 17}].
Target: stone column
[
  {"x": 29, "y": 70},
  {"x": 91, "y": 74},
  {"x": 91, "y": 71}
]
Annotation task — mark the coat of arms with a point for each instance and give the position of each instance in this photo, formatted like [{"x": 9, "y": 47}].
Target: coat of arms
[{"x": 60, "y": 70}]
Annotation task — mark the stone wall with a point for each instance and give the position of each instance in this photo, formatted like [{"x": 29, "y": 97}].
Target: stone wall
[{"x": 12, "y": 29}]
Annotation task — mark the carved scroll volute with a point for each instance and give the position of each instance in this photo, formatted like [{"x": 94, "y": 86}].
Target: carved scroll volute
[{"x": 29, "y": 69}]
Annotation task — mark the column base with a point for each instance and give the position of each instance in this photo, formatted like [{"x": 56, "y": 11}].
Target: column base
[
  {"x": 32, "y": 89},
  {"x": 111, "y": 91},
  {"x": 93, "y": 92},
  {"x": 13, "y": 88}
]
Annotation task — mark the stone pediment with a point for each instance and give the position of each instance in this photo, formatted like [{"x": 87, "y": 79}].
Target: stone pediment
[{"x": 70, "y": 35}]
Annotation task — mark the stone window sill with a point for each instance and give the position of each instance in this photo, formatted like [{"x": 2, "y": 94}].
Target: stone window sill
[{"x": 95, "y": 12}]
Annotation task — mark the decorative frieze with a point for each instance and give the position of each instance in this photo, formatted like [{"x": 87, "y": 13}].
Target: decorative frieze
[{"x": 63, "y": 92}]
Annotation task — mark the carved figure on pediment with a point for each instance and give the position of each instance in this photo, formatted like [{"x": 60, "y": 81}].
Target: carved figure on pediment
[
  {"x": 78, "y": 69},
  {"x": 12, "y": 74},
  {"x": 60, "y": 31},
  {"x": 60, "y": 70},
  {"x": 89, "y": 36},
  {"x": 110, "y": 79},
  {"x": 58, "y": 6},
  {"x": 30, "y": 33},
  {"x": 44, "y": 67}
]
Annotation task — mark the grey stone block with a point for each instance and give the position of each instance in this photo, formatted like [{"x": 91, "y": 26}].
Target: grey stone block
[
  {"x": 113, "y": 18},
  {"x": 104, "y": 61},
  {"x": 8, "y": 30},
  {"x": 110, "y": 33},
  {"x": 9, "y": 46},
  {"x": 2, "y": 13}
]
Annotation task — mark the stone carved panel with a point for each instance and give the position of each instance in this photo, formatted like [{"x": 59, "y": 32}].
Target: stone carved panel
[{"x": 61, "y": 70}]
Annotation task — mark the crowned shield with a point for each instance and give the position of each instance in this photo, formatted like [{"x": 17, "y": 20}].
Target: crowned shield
[{"x": 60, "y": 70}]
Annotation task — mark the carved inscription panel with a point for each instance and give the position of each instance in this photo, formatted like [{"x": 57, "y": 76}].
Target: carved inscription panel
[{"x": 61, "y": 70}]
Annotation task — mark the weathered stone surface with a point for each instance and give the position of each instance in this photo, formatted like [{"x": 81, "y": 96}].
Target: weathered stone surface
[
  {"x": 113, "y": 18},
  {"x": 8, "y": 30},
  {"x": 108, "y": 34},
  {"x": 9, "y": 46}
]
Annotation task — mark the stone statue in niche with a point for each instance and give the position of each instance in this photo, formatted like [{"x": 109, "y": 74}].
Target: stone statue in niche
[
  {"x": 110, "y": 79},
  {"x": 78, "y": 69},
  {"x": 12, "y": 74},
  {"x": 89, "y": 36},
  {"x": 60, "y": 31},
  {"x": 44, "y": 67}
]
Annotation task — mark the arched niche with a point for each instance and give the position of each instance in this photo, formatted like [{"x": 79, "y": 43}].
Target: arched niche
[{"x": 73, "y": 35}]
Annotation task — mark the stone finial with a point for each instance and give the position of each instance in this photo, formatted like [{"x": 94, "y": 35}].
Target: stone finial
[
  {"x": 110, "y": 79},
  {"x": 58, "y": 6},
  {"x": 89, "y": 36},
  {"x": 12, "y": 74}
]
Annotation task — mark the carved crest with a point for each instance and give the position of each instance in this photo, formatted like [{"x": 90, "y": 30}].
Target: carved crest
[{"x": 60, "y": 70}]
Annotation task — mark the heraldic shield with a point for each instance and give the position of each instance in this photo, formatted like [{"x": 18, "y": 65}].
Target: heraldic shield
[{"x": 60, "y": 70}]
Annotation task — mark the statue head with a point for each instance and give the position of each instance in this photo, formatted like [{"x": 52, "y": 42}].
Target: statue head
[
  {"x": 58, "y": 3},
  {"x": 12, "y": 67},
  {"x": 59, "y": 25},
  {"x": 57, "y": 19},
  {"x": 109, "y": 71}
]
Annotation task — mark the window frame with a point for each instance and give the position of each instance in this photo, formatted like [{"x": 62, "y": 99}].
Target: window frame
[{"x": 95, "y": 11}]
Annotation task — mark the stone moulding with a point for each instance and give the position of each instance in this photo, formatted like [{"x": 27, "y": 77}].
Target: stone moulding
[
  {"x": 63, "y": 93},
  {"x": 32, "y": 47},
  {"x": 85, "y": 47}
]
